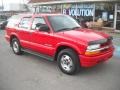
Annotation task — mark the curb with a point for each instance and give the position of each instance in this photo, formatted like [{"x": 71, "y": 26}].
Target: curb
[{"x": 117, "y": 51}]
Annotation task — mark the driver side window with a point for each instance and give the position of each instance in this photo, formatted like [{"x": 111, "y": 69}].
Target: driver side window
[{"x": 37, "y": 20}]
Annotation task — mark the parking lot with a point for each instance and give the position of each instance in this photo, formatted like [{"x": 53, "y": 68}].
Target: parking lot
[{"x": 29, "y": 72}]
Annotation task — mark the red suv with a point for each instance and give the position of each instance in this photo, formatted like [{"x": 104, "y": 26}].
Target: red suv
[{"x": 60, "y": 38}]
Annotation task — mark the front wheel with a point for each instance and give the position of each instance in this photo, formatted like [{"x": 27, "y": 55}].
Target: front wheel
[
  {"x": 68, "y": 61},
  {"x": 15, "y": 44}
]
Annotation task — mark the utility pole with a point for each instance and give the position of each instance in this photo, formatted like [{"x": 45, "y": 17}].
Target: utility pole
[{"x": 2, "y": 6}]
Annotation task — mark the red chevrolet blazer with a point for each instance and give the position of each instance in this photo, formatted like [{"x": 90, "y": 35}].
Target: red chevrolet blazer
[{"x": 60, "y": 38}]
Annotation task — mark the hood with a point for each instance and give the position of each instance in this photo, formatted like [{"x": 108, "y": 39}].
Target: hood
[{"x": 84, "y": 35}]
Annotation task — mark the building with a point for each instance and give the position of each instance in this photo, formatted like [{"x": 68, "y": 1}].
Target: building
[
  {"x": 91, "y": 10},
  {"x": 11, "y": 9}
]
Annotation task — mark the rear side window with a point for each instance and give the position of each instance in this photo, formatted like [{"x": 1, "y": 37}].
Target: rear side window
[
  {"x": 13, "y": 21},
  {"x": 25, "y": 23},
  {"x": 36, "y": 21}
]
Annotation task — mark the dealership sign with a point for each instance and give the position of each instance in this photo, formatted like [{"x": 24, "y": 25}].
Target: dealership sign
[
  {"x": 79, "y": 10},
  {"x": 39, "y": 9}
]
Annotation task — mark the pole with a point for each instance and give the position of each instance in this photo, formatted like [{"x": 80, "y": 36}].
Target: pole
[
  {"x": 115, "y": 16},
  {"x": 94, "y": 12},
  {"x": 2, "y": 6}
]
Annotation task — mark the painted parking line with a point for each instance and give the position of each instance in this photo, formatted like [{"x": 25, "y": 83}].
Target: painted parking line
[{"x": 117, "y": 51}]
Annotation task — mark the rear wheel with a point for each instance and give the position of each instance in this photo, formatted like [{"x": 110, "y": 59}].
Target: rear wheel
[
  {"x": 15, "y": 44},
  {"x": 68, "y": 61}
]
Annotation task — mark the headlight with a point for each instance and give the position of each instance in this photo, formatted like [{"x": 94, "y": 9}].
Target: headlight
[
  {"x": 92, "y": 50},
  {"x": 93, "y": 47}
]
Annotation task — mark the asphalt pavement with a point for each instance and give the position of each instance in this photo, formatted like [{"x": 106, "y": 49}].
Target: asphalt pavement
[{"x": 29, "y": 72}]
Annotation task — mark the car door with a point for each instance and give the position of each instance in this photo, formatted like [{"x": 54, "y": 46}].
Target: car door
[
  {"x": 41, "y": 40},
  {"x": 24, "y": 31}
]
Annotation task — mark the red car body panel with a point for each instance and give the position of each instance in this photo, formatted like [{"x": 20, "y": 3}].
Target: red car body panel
[
  {"x": 87, "y": 61},
  {"x": 48, "y": 43}
]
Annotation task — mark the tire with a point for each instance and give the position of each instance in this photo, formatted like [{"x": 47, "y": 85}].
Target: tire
[
  {"x": 15, "y": 44},
  {"x": 68, "y": 61}
]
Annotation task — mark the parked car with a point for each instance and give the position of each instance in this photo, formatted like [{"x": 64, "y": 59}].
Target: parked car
[
  {"x": 3, "y": 24},
  {"x": 59, "y": 38}
]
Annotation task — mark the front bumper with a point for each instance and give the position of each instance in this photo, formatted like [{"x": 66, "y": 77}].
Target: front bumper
[{"x": 89, "y": 61}]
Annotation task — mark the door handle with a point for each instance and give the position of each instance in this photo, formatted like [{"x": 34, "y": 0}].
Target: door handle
[{"x": 30, "y": 32}]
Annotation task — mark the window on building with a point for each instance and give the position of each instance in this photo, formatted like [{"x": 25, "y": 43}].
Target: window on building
[
  {"x": 118, "y": 17},
  {"x": 56, "y": 8},
  {"x": 105, "y": 11}
]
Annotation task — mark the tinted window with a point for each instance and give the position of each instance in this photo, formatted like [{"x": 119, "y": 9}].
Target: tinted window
[
  {"x": 63, "y": 22},
  {"x": 37, "y": 20},
  {"x": 25, "y": 23},
  {"x": 13, "y": 21}
]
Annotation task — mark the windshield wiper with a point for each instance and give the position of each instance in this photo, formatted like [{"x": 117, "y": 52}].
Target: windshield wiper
[
  {"x": 66, "y": 29},
  {"x": 63, "y": 29},
  {"x": 75, "y": 28}
]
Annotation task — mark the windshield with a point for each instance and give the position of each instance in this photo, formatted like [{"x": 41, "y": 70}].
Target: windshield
[{"x": 63, "y": 23}]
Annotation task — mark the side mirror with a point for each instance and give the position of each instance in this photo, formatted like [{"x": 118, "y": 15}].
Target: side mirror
[{"x": 43, "y": 27}]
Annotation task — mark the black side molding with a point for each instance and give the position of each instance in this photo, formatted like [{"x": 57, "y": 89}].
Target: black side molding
[{"x": 39, "y": 54}]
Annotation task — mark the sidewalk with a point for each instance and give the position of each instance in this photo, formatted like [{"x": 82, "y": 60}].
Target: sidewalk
[
  {"x": 116, "y": 41},
  {"x": 117, "y": 51}
]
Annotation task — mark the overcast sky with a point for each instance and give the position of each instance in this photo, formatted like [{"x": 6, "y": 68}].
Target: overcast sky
[
  {"x": 7, "y": 3},
  {"x": 12, "y": 1}
]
